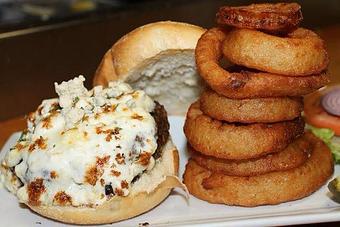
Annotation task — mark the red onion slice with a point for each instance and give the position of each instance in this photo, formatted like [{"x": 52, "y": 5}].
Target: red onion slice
[{"x": 331, "y": 102}]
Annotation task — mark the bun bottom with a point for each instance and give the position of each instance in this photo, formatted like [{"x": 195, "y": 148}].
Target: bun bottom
[{"x": 150, "y": 190}]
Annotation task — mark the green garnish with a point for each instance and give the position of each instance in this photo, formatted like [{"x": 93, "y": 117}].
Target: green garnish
[
  {"x": 334, "y": 187},
  {"x": 75, "y": 100},
  {"x": 327, "y": 136},
  {"x": 23, "y": 136}
]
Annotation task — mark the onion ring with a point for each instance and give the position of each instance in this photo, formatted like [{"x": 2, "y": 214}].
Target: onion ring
[
  {"x": 260, "y": 110},
  {"x": 293, "y": 156},
  {"x": 232, "y": 141},
  {"x": 300, "y": 53},
  {"x": 331, "y": 102},
  {"x": 272, "y": 18},
  {"x": 271, "y": 188},
  {"x": 246, "y": 84}
]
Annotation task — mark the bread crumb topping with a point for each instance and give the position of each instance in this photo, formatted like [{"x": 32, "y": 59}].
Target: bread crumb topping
[{"x": 82, "y": 145}]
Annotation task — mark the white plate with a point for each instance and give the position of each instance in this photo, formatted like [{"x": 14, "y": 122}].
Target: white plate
[{"x": 176, "y": 211}]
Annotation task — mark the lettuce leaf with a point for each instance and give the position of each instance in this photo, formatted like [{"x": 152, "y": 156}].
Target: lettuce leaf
[{"x": 327, "y": 136}]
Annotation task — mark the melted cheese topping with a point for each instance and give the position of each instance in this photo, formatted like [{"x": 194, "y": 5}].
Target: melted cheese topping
[{"x": 83, "y": 147}]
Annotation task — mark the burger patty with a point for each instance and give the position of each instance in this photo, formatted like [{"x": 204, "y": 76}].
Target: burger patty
[{"x": 161, "y": 118}]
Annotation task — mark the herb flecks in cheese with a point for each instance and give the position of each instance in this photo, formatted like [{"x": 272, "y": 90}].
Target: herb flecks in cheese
[{"x": 83, "y": 147}]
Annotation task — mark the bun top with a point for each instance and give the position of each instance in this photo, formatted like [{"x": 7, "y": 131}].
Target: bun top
[{"x": 143, "y": 43}]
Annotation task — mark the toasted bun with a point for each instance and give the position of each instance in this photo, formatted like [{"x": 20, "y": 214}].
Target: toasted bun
[
  {"x": 151, "y": 189},
  {"x": 158, "y": 58}
]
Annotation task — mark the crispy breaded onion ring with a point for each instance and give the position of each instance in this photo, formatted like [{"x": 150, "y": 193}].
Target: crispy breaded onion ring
[
  {"x": 291, "y": 157},
  {"x": 246, "y": 84},
  {"x": 270, "y": 188},
  {"x": 233, "y": 141},
  {"x": 258, "y": 110},
  {"x": 300, "y": 53},
  {"x": 273, "y": 18}
]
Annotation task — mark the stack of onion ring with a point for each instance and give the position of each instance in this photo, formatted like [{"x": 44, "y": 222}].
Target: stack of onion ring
[{"x": 245, "y": 133}]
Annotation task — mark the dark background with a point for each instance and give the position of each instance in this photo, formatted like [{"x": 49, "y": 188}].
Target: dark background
[{"x": 34, "y": 53}]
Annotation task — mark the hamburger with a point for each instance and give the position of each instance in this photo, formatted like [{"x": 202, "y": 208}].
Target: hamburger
[{"x": 92, "y": 157}]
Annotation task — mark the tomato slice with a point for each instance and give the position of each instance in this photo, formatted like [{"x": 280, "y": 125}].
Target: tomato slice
[{"x": 316, "y": 116}]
